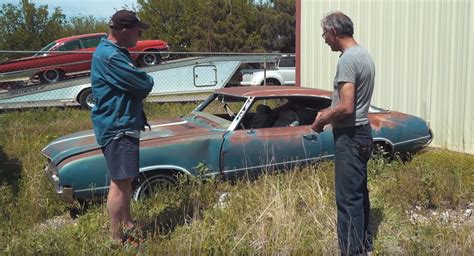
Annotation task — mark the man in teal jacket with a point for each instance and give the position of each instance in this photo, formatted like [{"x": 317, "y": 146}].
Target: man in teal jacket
[{"x": 119, "y": 88}]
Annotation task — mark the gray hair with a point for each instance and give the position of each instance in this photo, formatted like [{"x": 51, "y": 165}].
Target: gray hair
[{"x": 339, "y": 22}]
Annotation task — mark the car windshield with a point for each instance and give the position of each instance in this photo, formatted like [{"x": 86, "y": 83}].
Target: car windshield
[
  {"x": 217, "y": 111},
  {"x": 45, "y": 49}
]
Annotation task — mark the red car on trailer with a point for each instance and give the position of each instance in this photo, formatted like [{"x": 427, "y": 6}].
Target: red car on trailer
[{"x": 50, "y": 64}]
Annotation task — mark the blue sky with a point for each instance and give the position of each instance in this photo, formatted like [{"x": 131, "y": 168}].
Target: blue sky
[{"x": 97, "y": 8}]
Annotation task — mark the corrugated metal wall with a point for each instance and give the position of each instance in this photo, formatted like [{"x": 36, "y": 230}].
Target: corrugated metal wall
[{"x": 424, "y": 55}]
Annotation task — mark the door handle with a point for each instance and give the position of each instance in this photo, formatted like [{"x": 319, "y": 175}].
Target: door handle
[{"x": 313, "y": 136}]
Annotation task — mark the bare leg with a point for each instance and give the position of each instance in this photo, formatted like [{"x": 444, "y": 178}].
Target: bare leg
[{"x": 118, "y": 206}]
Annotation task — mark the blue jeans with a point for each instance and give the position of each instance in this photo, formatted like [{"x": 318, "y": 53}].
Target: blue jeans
[{"x": 352, "y": 150}]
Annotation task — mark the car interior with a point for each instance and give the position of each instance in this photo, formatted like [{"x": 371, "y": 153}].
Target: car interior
[
  {"x": 293, "y": 112},
  {"x": 268, "y": 112}
]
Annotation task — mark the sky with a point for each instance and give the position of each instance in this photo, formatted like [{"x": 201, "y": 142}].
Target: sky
[{"x": 98, "y": 8}]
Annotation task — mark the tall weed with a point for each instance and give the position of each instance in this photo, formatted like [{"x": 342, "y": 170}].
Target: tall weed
[{"x": 292, "y": 212}]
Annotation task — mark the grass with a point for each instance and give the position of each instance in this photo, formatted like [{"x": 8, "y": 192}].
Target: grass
[{"x": 285, "y": 213}]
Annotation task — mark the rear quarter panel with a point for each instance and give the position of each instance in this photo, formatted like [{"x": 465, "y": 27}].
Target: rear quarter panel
[{"x": 404, "y": 132}]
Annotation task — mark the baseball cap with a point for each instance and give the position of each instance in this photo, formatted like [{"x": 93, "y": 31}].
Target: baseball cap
[{"x": 126, "y": 19}]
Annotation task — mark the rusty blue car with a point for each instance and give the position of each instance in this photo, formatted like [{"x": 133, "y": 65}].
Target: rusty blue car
[{"x": 235, "y": 131}]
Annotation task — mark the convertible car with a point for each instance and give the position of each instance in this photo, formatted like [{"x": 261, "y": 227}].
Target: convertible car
[
  {"x": 236, "y": 131},
  {"x": 49, "y": 65}
]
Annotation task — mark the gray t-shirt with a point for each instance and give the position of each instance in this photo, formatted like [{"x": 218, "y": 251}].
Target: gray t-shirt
[{"x": 355, "y": 66}]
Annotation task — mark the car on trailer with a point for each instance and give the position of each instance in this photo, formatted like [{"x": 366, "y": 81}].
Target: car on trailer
[{"x": 73, "y": 55}]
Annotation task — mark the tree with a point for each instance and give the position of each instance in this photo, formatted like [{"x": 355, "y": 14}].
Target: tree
[
  {"x": 221, "y": 25},
  {"x": 84, "y": 25},
  {"x": 25, "y": 27},
  {"x": 187, "y": 25},
  {"x": 228, "y": 26},
  {"x": 170, "y": 20},
  {"x": 278, "y": 26}
]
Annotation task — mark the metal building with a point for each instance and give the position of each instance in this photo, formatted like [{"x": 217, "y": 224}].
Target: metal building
[{"x": 424, "y": 55}]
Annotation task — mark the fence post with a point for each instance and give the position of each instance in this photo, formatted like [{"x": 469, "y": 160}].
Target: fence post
[{"x": 264, "y": 70}]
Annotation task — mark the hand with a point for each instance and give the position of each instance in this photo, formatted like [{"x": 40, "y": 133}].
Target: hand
[
  {"x": 318, "y": 125},
  {"x": 320, "y": 121}
]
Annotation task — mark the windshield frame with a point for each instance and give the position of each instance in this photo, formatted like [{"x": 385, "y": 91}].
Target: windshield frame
[
  {"x": 222, "y": 123},
  {"x": 47, "y": 48}
]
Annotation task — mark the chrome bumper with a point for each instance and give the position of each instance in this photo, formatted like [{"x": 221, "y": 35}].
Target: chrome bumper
[
  {"x": 432, "y": 137},
  {"x": 65, "y": 193}
]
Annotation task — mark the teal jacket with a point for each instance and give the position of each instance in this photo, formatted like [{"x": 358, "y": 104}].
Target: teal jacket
[{"x": 118, "y": 88}]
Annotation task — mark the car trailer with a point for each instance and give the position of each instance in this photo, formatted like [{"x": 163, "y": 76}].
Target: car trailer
[{"x": 187, "y": 79}]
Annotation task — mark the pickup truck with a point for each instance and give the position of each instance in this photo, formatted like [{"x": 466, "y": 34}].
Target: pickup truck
[{"x": 281, "y": 72}]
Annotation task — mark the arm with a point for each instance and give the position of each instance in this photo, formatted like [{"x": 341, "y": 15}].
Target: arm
[
  {"x": 342, "y": 110},
  {"x": 126, "y": 77}
]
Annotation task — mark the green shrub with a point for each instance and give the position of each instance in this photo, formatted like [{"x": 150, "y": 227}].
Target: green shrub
[{"x": 437, "y": 178}]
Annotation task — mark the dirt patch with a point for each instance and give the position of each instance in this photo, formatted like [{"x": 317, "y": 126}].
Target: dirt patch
[
  {"x": 456, "y": 217},
  {"x": 55, "y": 223}
]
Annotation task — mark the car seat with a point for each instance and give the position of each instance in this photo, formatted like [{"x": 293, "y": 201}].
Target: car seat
[
  {"x": 262, "y": 117},
  {"x": 286, "y": 117}
]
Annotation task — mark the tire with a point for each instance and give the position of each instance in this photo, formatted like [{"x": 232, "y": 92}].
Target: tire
[
  {"x": 151, "y": 183},
  {"x": 382, "y": 150},
  {"x": 149, "y": 59},
  {"x": 270, "y": 82},
  {"x": 86, "y": 99},
  {"x": 76, "y": 212},
  {"x": 52, "y": 76}
]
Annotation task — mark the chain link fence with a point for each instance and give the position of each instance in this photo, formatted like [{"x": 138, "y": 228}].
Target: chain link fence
[{"x": 45, "y": 78}]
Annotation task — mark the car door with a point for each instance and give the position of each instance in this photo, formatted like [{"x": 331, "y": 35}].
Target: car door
[
  {"x": 73, "y": 62},
  {"x": 88, "y": 45},
  {"x": 319, "y": 146},
  {"x": 267, "y": 135},
  {"x": 260, "y": 150}
]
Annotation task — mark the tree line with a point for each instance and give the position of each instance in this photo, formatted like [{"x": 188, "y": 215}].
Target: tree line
[{"x": 187, "y": 25}]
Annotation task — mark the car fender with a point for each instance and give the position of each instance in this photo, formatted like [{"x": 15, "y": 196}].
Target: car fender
[
  {"x": 81, "y": 91},
  {"x": 165, "y": 167}
]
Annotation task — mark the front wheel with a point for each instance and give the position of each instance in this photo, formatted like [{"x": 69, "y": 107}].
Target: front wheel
[
  {"x": 148, "y": 185},
  {"x": 86, "y": 99},
  {"x": 149, "y": 59}
]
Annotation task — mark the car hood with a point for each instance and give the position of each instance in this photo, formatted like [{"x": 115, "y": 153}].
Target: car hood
[{"x": 83, "y": 142}]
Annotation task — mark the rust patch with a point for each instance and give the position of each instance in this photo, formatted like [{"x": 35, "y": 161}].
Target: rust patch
[
  {"x": 273, "y": 91},
  {"x": 387, "y": 120},
  {"x": 173, "y": 140},
  {"x": 94, "y": 152}
]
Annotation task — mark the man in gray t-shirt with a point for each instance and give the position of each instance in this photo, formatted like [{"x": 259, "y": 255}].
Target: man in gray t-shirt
[
  {"x": 355, "y": 66},
  {"x": 348, "y": 115}
]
